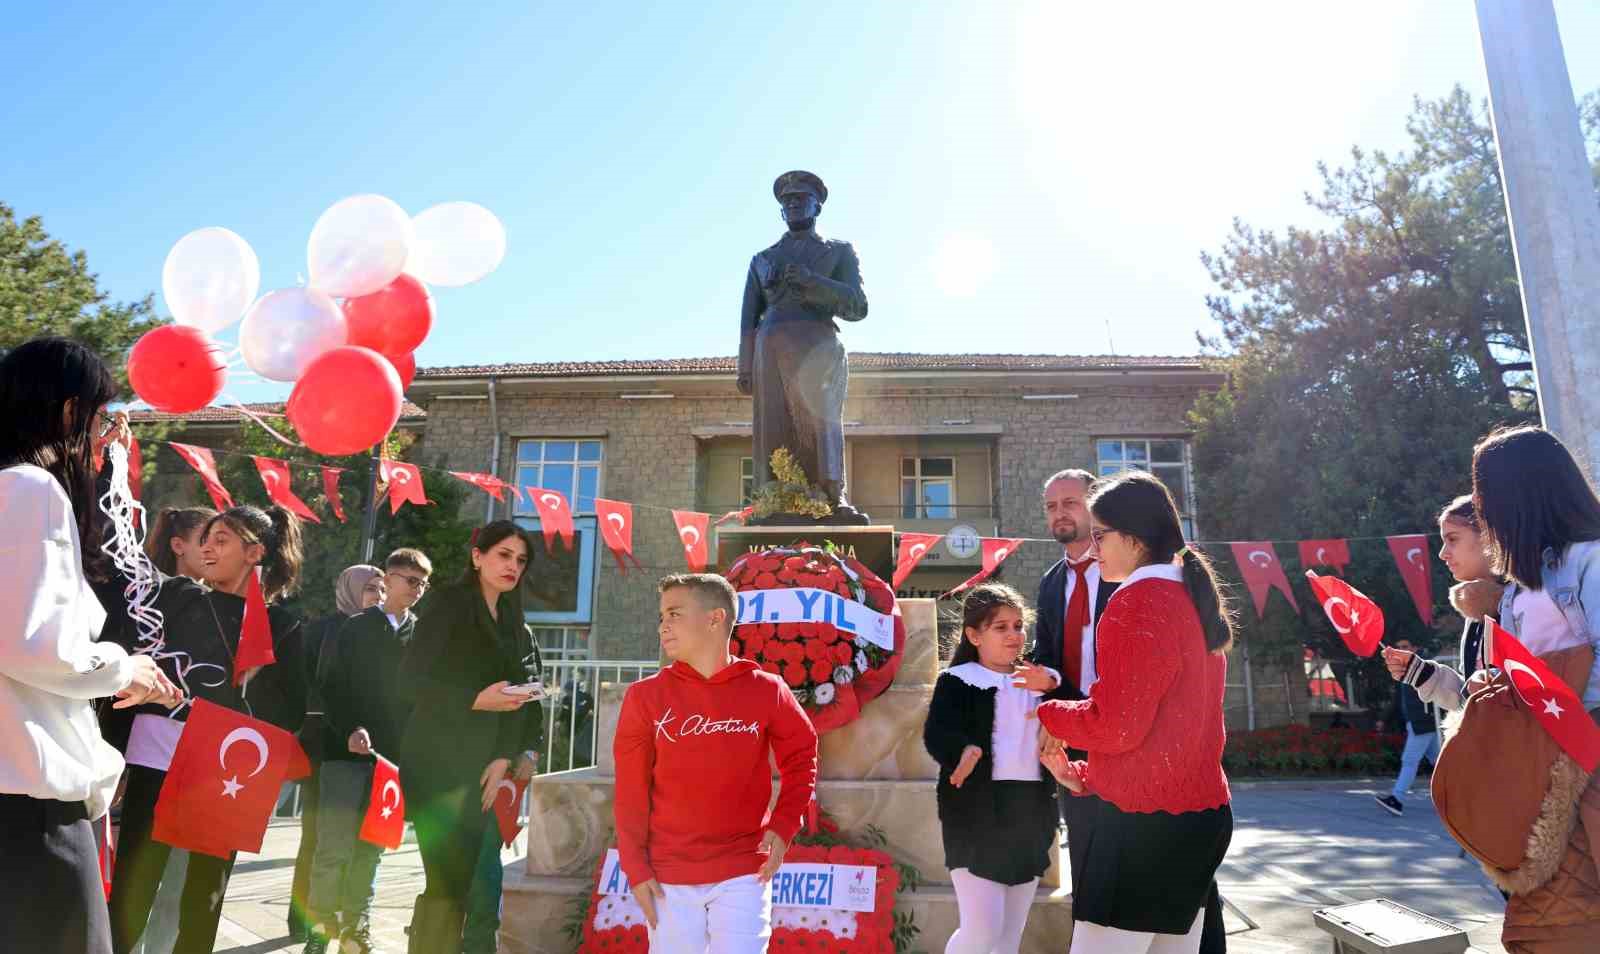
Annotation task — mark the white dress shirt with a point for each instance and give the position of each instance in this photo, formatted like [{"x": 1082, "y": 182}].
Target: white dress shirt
[
  {"x": 51, "y": 666},
  {"x": 1015, "y": 746}
]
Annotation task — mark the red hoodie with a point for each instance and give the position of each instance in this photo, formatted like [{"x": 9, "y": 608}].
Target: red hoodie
[{"x": 693, "y": 776}]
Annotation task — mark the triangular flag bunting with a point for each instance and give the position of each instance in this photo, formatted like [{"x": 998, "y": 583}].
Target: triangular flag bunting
[
  {"x": 1357, "y": 620},
  {"x": 405, "y": 484},
  {"x": 1411, "y": 556},
  {"x": 739, "y": 515},
  {"x": 913, "y": 547},
  {"x": 995, "y": 551},
  {"x": 1547, "y": 696},
  {"x": 1258, "y": 564},
  {"x": 275, "y": 477},
  {"x": 555, "y": 517},
  {"x": 206, "y": 466},
  {"x": 693, "y": 529},
  {"x": 330, "y": 487},
  {"x": 255, "y": 633},
  {"x": 616, "y": 529},
  {"x": 1334, "y": 553},
  {"x": 488, "y": 483}
]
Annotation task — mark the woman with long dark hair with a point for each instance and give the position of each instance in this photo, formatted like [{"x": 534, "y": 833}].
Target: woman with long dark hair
[
  {"x": 201, "y": 635},
  {"x": 1153, "y": 729},
  {"x": 173, "y": 543},
  {"x": 57, "y": 775},
  {"x": 472, "y": 723}
]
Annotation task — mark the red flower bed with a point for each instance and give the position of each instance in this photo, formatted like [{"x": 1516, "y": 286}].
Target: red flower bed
[{"x": 1301, "y": 750}]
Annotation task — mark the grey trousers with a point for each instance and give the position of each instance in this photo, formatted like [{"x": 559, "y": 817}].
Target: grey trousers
[{"x": 344, "y": 870}]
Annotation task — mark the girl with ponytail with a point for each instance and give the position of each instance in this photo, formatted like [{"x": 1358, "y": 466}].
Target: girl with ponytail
[
  {"x": 1152, "y": 726},
  {"x": 202, "y": 626},
  {"x": 174, "y": 540}
]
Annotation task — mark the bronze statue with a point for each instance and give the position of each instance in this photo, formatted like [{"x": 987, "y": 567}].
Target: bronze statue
[{"x": 790, "y": 358}]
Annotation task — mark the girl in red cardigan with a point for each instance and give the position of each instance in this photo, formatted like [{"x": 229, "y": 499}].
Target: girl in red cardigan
[{"x": 1152, "y": 726}]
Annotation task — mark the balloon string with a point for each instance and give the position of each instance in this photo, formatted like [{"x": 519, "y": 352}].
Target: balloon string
[{"x": 238, "y": 405}]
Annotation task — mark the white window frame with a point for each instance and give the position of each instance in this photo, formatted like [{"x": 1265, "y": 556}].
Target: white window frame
[
  {"x": 924, "y": 481},
  {"x": 584, "y": 523},
  {"x": 521, "y": 507},
  {"x": 1110, "y": 468},
  {"x": 747, "y": 480}
]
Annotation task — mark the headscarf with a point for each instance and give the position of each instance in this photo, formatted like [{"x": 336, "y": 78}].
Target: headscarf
[{"x": 347, "y": 592}]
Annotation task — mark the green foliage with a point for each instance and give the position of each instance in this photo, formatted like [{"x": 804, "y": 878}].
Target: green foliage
[
  {"x": 789, "y": 491},
  {"x": 47, "y": 289}
]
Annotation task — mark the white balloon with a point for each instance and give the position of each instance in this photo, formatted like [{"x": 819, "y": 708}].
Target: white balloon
[
  {"x": 457, "y": 243},
  {"x": 211, "y": 276},
  {"x": 288, "y": 329},
  {"x": 358, "y": 246}
]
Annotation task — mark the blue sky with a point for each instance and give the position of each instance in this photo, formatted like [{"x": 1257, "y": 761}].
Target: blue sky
[{"x": 1026, "y": 177}]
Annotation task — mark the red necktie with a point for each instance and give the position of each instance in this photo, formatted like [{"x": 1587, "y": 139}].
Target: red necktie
[{"x": 1077, "y": 619}]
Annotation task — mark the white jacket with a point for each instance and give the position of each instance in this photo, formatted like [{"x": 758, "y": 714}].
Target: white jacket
[{"x": 51, "y": 666}]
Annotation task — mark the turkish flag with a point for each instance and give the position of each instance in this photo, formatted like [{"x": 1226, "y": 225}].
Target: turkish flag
[
  {"x": 1411, "y": 556},
  {"x": 1258, "y": 564},
  {"x": 1357, "y": 620},
  {"x": 555, "y": 516},
  {"x": 255, "y": 633},
  {"x": 1334, "y": 553},
  {"x": 330, "y": 486},
  {"x": 224, "y": 780},
  {"x": 1547, "y": 696},
  {"x": 385, "y": 821},
  {"x": 488, "y": 483},
  {"x": 275, "y": 477},
  {"x": 405, "y": 484},
  {"x": 616, "y": 529},
  {"x": 913, "y": 547},
  {"x": 206, "y": 466},
  {"x": 508, "y": 808},
  {"x": 995, "y": 551},
  {"x": 693, "y": 530},
  {"x": 740, "y": 515}
]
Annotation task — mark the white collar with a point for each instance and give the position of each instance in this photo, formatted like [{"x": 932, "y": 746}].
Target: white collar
[
  {"x": 979, "y": 676},
  {"x": 1170, "y": 572}
]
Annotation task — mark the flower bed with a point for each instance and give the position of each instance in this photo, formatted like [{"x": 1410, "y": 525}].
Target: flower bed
[{"x": 1299, "y": 750}]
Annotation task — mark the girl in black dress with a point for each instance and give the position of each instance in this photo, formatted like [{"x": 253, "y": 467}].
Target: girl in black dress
[{"x": 996, "y": 800}]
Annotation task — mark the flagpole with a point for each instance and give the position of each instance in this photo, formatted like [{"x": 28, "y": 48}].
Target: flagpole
[{"x": 370, "y": 528}]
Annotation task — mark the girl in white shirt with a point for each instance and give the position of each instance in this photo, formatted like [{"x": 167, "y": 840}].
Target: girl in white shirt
[{"x": 56, "y": 773}]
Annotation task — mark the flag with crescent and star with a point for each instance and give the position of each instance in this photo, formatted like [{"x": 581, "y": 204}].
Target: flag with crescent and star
[
  {"x": 385, "y": 821},
  {"x": 1333, "y": 553},
  {"x": 555, "y": 517},
  {"x": 995, "y": 551},
  {"x": 1357, "y": 620},
  {"x": 330, "y": 486},
  {"x": 693, "y": 529},
  {"x": 616, "y": 529},
  {"x": 913, "y": 547},
  {"x": 1411, "y": 556},
  {"x": 224, "y": 780},
  {"x": 206, "y": 466},
  {"x": 1258, "y": 564},
  {"x": 405, "y": 484},
  {"x": 255, "y": 632},
  {"x": 1547, "y": 696},
  {"x": 508, "y": 808},
  {"x": 488, "y": 483},
  {"x": 275, "y": 477}
]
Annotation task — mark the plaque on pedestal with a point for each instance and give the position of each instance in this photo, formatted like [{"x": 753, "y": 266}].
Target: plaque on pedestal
[{"x": 873, "y": 546}]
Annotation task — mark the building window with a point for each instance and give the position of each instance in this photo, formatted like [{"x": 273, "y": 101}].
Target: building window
[
  {"x": 747, "y": 480},
  {"x": 1166, "y": 458},
  {"x": 571, "y": 467},
  {"x": 927, "y": 488},
  {"x": 557, "y": 643}
]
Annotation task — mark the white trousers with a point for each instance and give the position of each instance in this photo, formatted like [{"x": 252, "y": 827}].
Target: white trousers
[
  {"x": 992, "y": 914},
  {"x": 729, "y": 917},
  {"x": 1090, "y": 938}
]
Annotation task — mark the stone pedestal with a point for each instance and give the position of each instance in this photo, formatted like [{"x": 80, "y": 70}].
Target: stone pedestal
[{"x": 874, "y": 772}]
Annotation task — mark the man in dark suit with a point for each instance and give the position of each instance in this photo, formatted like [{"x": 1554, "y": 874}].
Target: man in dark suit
[{"x": 1072, "y": 594}]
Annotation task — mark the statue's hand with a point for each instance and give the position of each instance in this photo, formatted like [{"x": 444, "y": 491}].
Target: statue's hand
[
  {"x": 800, "y": 275},
  {"x": 746, "y": 386}
]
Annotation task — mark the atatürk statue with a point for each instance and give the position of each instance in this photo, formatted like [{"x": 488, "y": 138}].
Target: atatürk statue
[{"x": 790, "y": 357}]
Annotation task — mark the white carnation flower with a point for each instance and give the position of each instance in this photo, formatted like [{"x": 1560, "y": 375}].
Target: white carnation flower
[
  {"x": 801, "y": 696},
  {"x": 861, "y": 661},
  {"x": 862, "y": 642},
  {"x": 823, "y": 694},
  {"x": 843, "y": 675}
]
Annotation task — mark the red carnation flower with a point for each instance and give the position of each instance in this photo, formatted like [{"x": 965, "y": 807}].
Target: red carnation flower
[
  {"x": 736, "y": 646},
  {"x": 842, "y": 654},
  {"x": 794, "y": 674},
  {"x": 830, "y": 634},
  {"x": 753, "y": 644},
  {"x": 772, "y": 666},
  {"x": 817, "y": 651},
  {"x": 766, "y": 581},
  {"x": 821, "y": 671}
]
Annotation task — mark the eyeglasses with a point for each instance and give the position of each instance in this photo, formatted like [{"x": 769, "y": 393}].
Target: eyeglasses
[
  {"x": 1098, "y": 535},
  {"x": 415, "y": 582}
]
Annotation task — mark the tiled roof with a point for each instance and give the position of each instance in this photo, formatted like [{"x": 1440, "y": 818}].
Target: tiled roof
[
  {"x": 228, "y": 415},
  {"x": 859, "y": 361}
]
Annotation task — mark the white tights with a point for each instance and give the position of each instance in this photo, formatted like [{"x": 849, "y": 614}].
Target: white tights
[
  {"x": 992, "y": 914},
  {"x": 1090, "y": 938}
]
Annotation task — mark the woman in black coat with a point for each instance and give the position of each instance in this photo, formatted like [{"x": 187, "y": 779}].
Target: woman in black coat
[{"x": 471, "y": 722}]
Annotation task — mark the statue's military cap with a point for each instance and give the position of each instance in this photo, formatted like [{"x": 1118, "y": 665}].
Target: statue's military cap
[{"x": 800, "y": 181}]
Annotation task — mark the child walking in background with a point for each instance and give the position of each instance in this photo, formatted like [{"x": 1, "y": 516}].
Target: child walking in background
[{"x": 996, "y": 801}]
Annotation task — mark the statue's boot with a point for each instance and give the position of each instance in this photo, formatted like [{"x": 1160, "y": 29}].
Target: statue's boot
[{"x": 844, "y": 514}]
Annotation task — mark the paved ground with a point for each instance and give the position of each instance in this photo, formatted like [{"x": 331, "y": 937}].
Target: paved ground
[{"x": 1297, "y": 846}]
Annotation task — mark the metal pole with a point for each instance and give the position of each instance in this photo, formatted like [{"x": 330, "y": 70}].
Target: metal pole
[
  {"x": 370, "y": 528},
  {"x": 494, "y": 450},
  {"x": 1249, "y": 687},
  {"x": 1550, "y": 204}
]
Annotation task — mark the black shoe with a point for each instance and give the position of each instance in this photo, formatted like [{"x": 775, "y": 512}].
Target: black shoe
[
  {"x": 317, "y": 943},
  {"x": 1390, "y": 804}
]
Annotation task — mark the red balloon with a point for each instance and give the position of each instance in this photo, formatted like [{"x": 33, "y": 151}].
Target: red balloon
[
  {"x": 406, "y": 367},
  {"x": 393, "y": 320},
  {"x": 176, "y": 369},
  {"x": 347, "y": 401}
]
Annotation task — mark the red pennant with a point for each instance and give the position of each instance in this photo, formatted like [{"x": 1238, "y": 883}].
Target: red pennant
[
  {"x": 1258, "y": 564},
  {"x": 224, "y": 781},
  {"x": 206, "y": 466},
  {"x": 488, "y": 483},
  {"x": 995, "y": 551},
  {"x": 276, "y": 478},
  {"x": 1334, "y": 553},
  {"x": 913, "y": 547},
  {"x": 405, "y": 484},
  {"x": 555, "y": 516},
  {"x": 739, "y": 515},
  {"x": 693, "y": 530},
  {"x": 255, "y": 633},
  {"x": 108, "y": 854},
  {"x": 1357, "y": 620},
  {"x": 385, "y": 821},
  {"x": 1411, "y": 556},
  {"x": 1547, "y": 696},
  {"x": 330, "y": 486},
  {"x": 508, "y": 809},
  {"x": 616, "y": 529}
]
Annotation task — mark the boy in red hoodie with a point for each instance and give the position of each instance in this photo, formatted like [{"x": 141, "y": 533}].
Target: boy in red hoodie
[{"x": 693, "y": 779}]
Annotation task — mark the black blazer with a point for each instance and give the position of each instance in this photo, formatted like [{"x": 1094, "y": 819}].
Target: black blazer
[
  {"x": 458, "y": 650},
  {"x": 1050, "y": 613}
]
